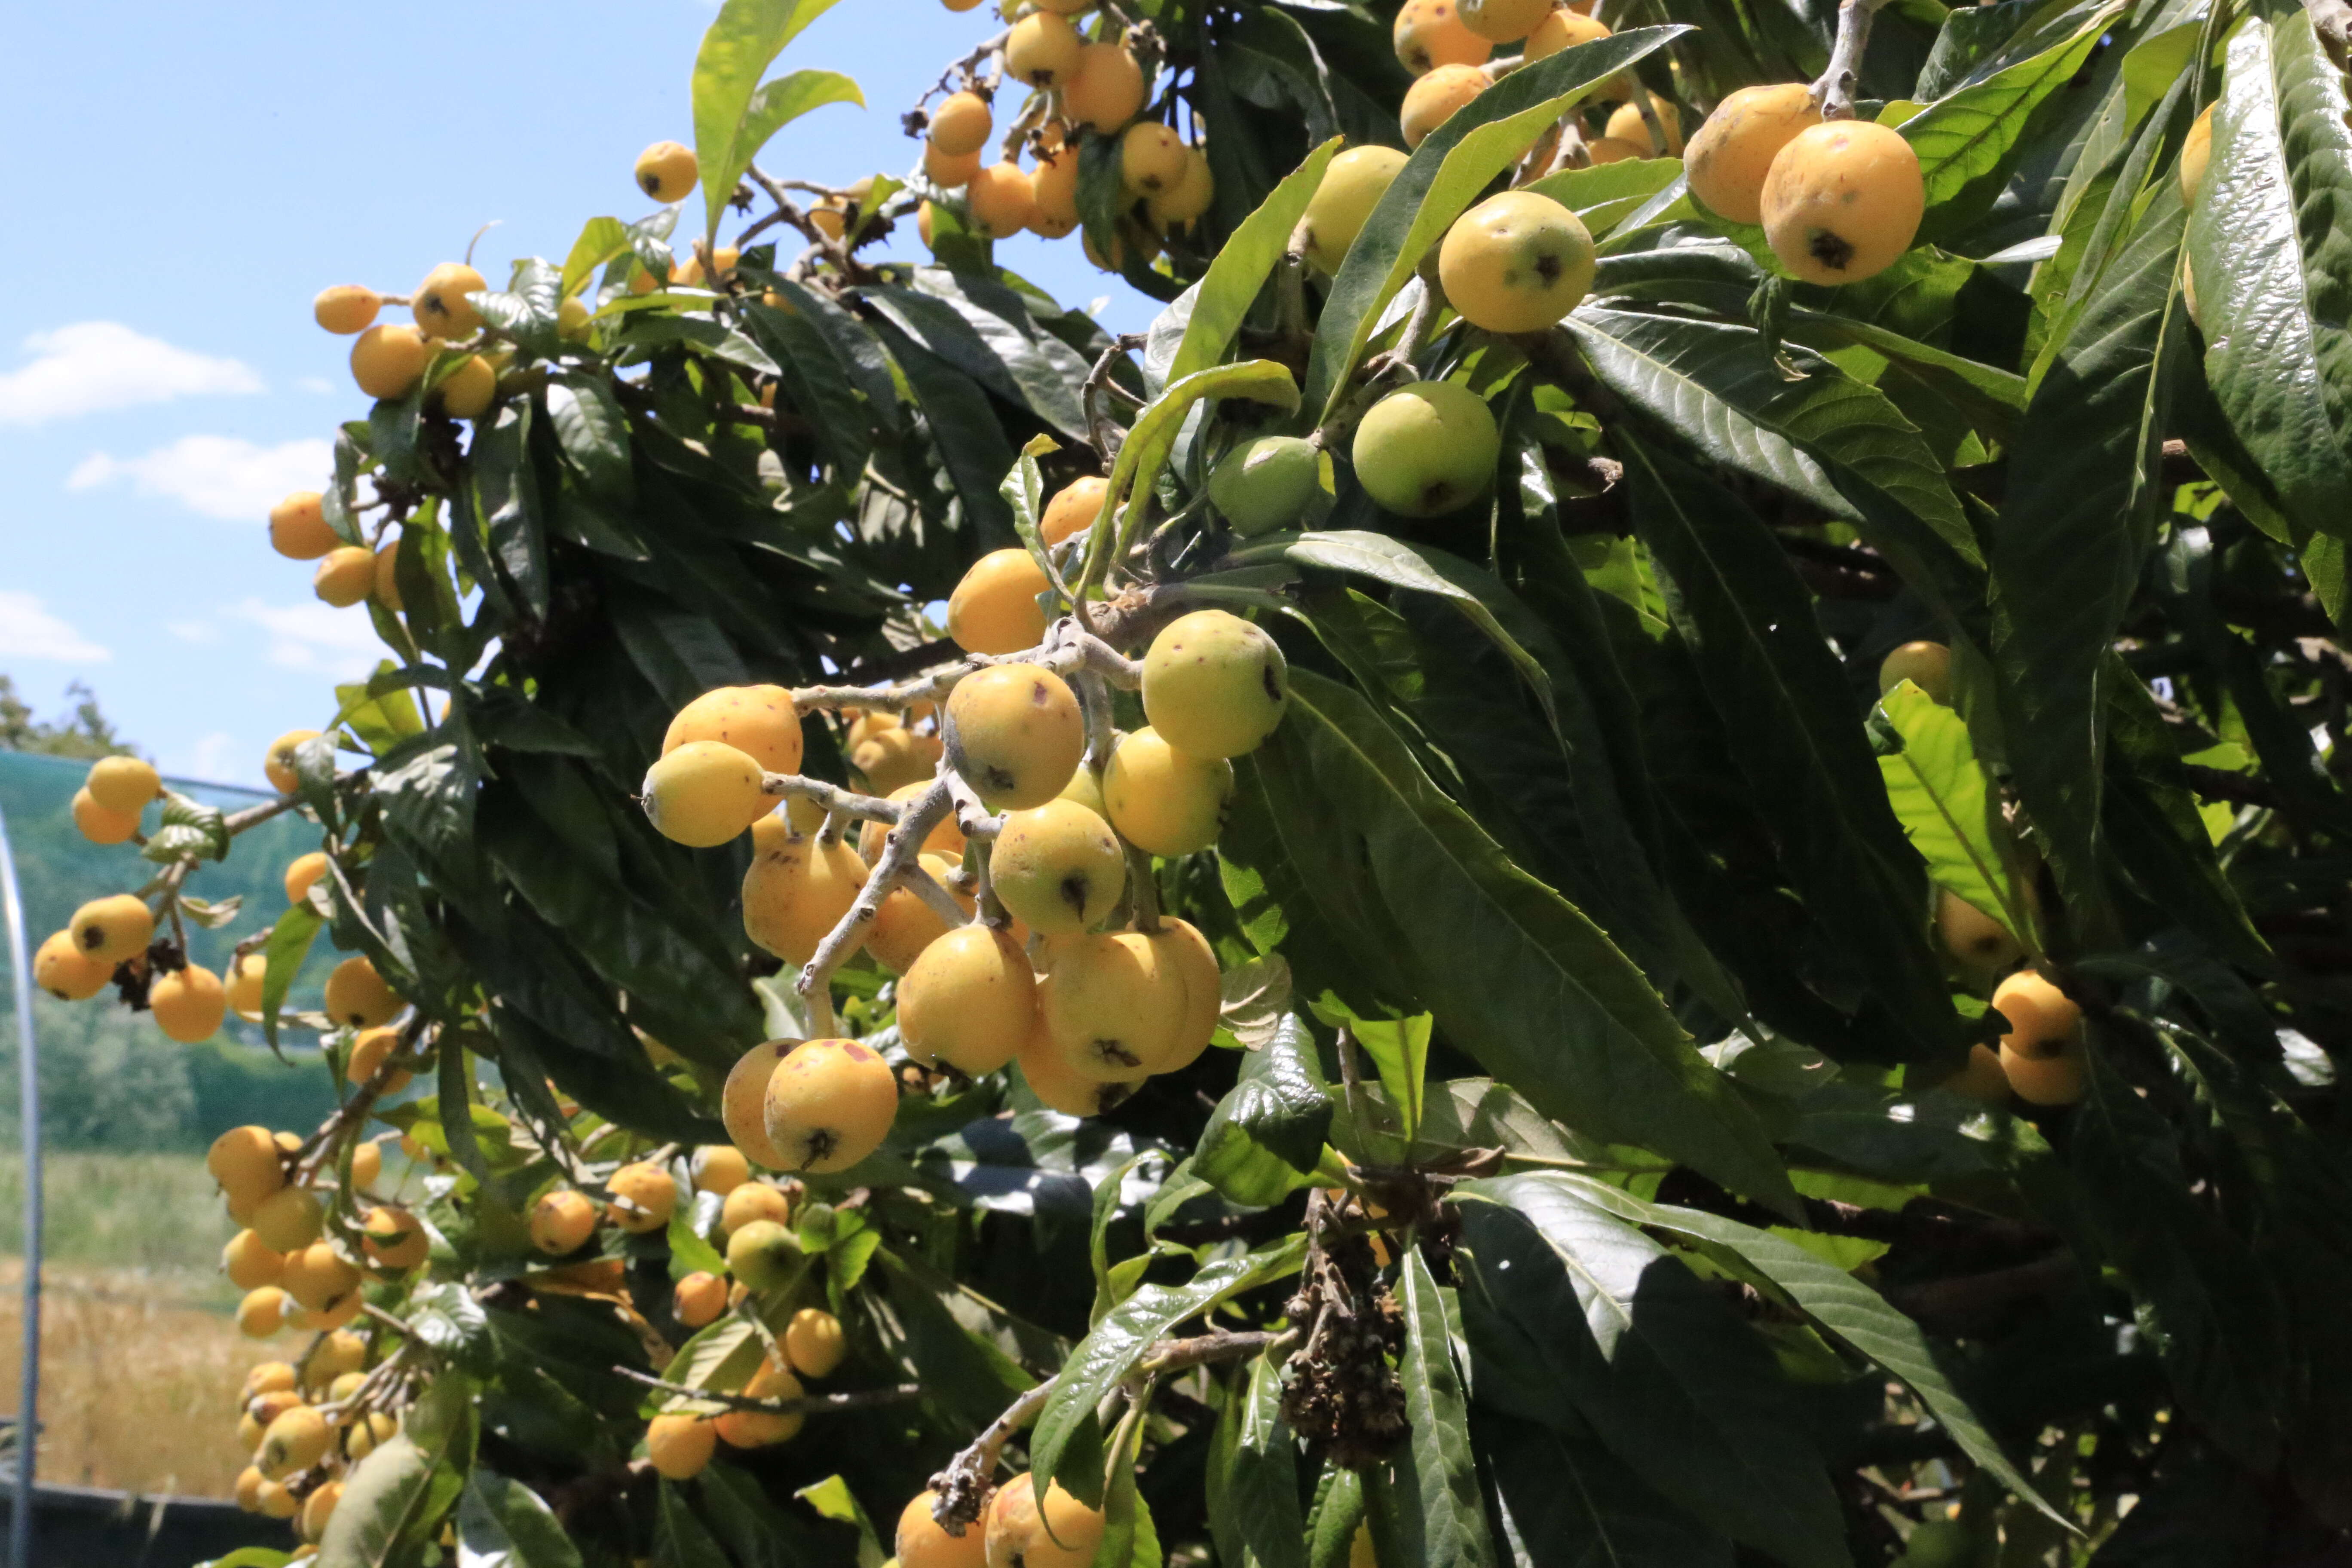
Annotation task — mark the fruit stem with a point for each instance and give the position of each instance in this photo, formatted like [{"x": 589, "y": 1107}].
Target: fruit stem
[
  {"x": 1833, "y": 94},
  {"x": 900, "y": 850}
]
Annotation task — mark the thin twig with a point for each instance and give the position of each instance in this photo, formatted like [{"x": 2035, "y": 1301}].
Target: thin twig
[
  {"x": 1833, "y": 92},
  {"x": 809, "y": 1404}
]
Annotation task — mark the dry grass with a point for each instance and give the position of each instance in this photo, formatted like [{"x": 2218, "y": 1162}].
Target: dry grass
[
  {"x": 140, "y": 1358},
  {"x": 140, "y": 1371}
]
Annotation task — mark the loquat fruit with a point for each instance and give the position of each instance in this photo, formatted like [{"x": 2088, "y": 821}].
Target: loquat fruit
[
  {"x": 829, "y": 1104},
  {"x": 704, "y": 793},
  {"x": 318, "y": 1276},
  {"x": 1150, "y": 158},
  {"x": 124, "y": 783},
  {"x": 357, "y": 996},
  {"x": 962, "y": 125},
  {"x": 298, "y": 527},
  {"x": 277, "y": 763},
  {"x": 1106, "y": 91},
  {"x": 1001, "y": 200},
  {"x": 758, "y": 720},
  {"x": 797, "y": 891},
  {"x": 296, "y": 1441},
  {"x": 1982, "y": 1079},
  {"x": 1436, "y": 98},
  {"x": 948, "y": 173},
  {"x": 262, "y": 1312},
  {"x": 246, "y": 1164},
  {"x": 345, "y": 575},
  {"x": 1732, "y": 151},
  {"x": 763, "y": 1255},
  {"x": 1073, "y": 509},
  {"x": 968, "y": 1002},
  {"x": 813, "y": 1342},
  {"x": 1423, "y": 451},
  {"x": 742, "y": 1108},
  {"x": 98, "y": 825},
  {"x": 1215, "y": 684},
  {"x": 1504, "y": 21},
  {"x": 1015, "y": 733},
  {"x": 717, "y": 1168},
  {"x": 921, "y": 1542},
  {"x": 995, "y": 608},
  {"x": 393, "y": 1239},
  {"x": 562, "y": 1221},
  {"x": 1925, "y": 665},
  {"x": 643, "y": 1197},
  {"x": 1516, "y": 262},
  {"x": 759, "y": 1428},
  {"x": 667, "y": 170},
  {"x": 467, "y": 392},
  {"x": 289, "y": 1219},
  {"x": 1190, "y": 197},
  {"x": 188, "y": 1004},
  {"x": 679, "y": 1445},
  {"x": 1428, "y": 34},
  {"x": 1112, "y": 1002},
  {"x": 754, "y": 1201},
  {"x": 113, "y": 929},
  {"x": 248, "y": 1264},
  {"x": 388, "y": 360},
  {"x": 945, "y": 838},
  {"x": 698, "y": 1298},
  {"x": 1843, "y": 201},
  {"x": 2043, "y": 1052},
  {"x": 63, "y": 970},
  {"x": 346, "y": 309},
  {"x": 1352, "y": 185},
  {"x": 1053, "y": 187},
  {"x": 1626, "y": 124},
  {"x": 1062, "y": 1534},
  {"x": 1058, "y": 867},
  {"x": 1042, "y": 50},
  {"x": 1162, "y": 800},
  {"x": 2196, "y": 152}
]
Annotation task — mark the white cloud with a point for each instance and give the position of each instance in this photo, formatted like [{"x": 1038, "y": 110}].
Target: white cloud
[
  {"x": 219, "y": 476},
  {"x": 316, "y": 383},
  {"x": 315, "y": 636},
  {"x": 29, "y": 630},
  {"x": 213, "y": 757},
  {"x": 199, "y": 632},
  {"x": 90, "y": 367}
]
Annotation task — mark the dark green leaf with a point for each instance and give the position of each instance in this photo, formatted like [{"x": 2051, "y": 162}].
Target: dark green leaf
[
  {"x": 1967, "y": 137},
  {"x": 1436, "y": 1512},
  {"x": 1253, "y": 1483},
  {"x": 1565, "y": 1502},
  {"x": 1268, "y": 1131},
  {"x": 1223, "y": 296},
  {"x": 591, "y": 431},
  {"x": 502, "y": 1524}
]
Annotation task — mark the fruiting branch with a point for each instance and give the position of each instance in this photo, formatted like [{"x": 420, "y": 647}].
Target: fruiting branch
[
  {"x": 964, "y": 1485},
  {"x": 1106, "y": 435},
  {"x": 1833, "y": 92},
  {"x": 900, "y": 854}
]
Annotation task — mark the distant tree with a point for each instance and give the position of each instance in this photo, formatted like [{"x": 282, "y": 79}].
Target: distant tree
[{"x": 86, "y": 732}]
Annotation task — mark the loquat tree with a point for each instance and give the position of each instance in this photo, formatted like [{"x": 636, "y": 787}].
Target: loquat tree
[{"x": 1633, "y": 850}]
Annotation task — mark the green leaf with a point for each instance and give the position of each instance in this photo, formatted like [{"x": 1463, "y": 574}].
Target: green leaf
[
  {"x": 1399, "y": 1051},
  {"x": 1437, "y": 185},
  {"x": 1838, "y": 1303},
  {"x": 1150, "y": 440},
  {"x": 383, "y": 1506},
  {"x": 1605, "y": 194},
  {"x": 1967, "y": 137},
  {"x": 1567, "y": 1500},
  {"x": 600, "y": 239},
  {"x": 1337, "y": 1516},
  {"x": 1105, "y": 1210},
  {"x": 1267, "y": 1133},
  {"x": 1718, "y": 387},
  {"x": 1671, "y": 1380},
  {"x": 1220, "y": 300},
  {"x": 591, "y": 431},
  {"x": 778, "y": 103},
  {"x": 1939, "y": 795},
  {"x": 688, "y": 1252},
  {"x": 1430, "y": 1509},
  {"x": 1118, "y": 1342},
  {"x": 1002, "y": 349},
  {"x": 282, "y": 958},
  {"x": 1515, "y": 974},
  {"x": 2272, "y": 267},
  {"x": 833, "y": 1499},
  {"x": 964, "y": 427},
  {"x": 1129, "y": 1539},
  {"x": 681, "y": 1538},
  {"x": 2079, "y": 518},
  {"x": 502, "y": 1524},
  {"x": 1252, "y": 1480},
  {"x": 737, "y": 49},
  {"x": 1782, "y": 697},
  {"x": 188, "y": 829}
]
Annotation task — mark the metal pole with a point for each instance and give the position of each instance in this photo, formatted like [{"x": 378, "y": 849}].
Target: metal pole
[{"x": 28, "y": 1400}]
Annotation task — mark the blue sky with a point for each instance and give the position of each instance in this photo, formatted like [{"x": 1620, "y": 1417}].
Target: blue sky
[{"x": 202, "y": 171}]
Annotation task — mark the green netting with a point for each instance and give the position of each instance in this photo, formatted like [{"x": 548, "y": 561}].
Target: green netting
[{"x": 109, "y": 1079}]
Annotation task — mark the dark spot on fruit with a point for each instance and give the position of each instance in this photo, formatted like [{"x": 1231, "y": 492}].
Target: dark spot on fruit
[
  {"x": 998, "y": 779},
  {"x": 1073, "y": 889},
  {"x": 1830, "y": 250},
  {"x": 1437, "y": 498},
  {"x": 93, "y": 937},
  {"x": 1271, "y": 682},
  {"x": 1038, "y": 696},
  {"x": 1115, "y": 1052},
  {"x": 1548, "y": 269},
  {"x": 820, "y": 1144},
  {"x": 856, "y": 1052},
  {"x": 1988, "y": 943}
]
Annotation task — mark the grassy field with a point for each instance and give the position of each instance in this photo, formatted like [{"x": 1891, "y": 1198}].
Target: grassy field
[{"x": 140, "y": 1360}]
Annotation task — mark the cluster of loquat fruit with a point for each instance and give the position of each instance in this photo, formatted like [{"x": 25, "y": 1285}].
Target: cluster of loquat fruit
[
  {"x": 307, "y": 1420},
  {"x": 766, "y": 1269},
  {"x": 1082, "y": 88},
  {"x": 1033, "y": 974},
  {"x": 2041, "y": 1058}
]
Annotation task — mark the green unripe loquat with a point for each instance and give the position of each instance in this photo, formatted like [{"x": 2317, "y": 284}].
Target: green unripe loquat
[
  {"x": 1925, "y": 665},
  {"x": 1213, "y": 685},
  {"x": 1265, "y": 484},
  {"x": 1015, "y": 733},
  {"x": 1843, "y": 201},
  {"x": 1427, "y": 448},
  {"x": 1058, "y": 867},
  {"x": 704, "y": 793},
  {"x": 829, "y": 1104},
  {"x": 969, "y": 1001},
  {"x": 1163, "y": 800}
]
